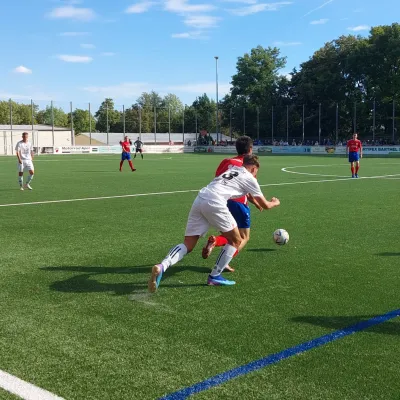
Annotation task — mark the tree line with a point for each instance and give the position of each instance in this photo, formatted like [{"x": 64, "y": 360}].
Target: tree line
[{"x": 351, "y": 83}]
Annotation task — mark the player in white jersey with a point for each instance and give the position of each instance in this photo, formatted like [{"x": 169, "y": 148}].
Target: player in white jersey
[
  {"x": 210, "y": 209},
  {"x": 24, "y": 152}
]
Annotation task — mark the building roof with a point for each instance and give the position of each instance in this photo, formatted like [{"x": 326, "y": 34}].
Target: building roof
[{"x": 29, "y": 128}]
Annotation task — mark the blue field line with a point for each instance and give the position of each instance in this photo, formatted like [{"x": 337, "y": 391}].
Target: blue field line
[{"x": 275, "y": 358}]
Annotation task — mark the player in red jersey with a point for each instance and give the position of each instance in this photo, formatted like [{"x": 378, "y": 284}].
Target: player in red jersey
[
  {"x": 354, "y": 152},
  {"x": 238, "y": 207},
  {"x": 126, "y": 153}
]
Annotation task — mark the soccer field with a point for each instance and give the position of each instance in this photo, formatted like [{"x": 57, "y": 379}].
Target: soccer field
[{"x": 76, "y": 318}]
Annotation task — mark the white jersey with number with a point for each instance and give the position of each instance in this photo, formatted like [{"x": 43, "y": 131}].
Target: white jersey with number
[
  {"x": 25, "y": 149},
  {"x": 234, "y": 183},
  {"x": 210, "y": 207}
]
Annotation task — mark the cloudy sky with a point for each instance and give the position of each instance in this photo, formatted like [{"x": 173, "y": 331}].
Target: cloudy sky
[{"x": 85, "y": 50}]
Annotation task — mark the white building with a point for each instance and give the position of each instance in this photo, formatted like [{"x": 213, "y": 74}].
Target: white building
[{"x": 43, "y": 137}]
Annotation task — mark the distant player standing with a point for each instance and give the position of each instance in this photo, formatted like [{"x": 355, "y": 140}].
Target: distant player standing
[
  {"x": 126, "y": 153},
  {"x": 139, "y": 147},
  {"x": 24, "y": 151},
  {"x": 210, "y": 209},
  {"x": 238, "y": 207},
  {"x": 354, "y": 152}
]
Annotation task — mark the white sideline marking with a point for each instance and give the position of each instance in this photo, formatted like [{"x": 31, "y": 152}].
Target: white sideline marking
[
  {"x": 186, "y": 191},
  {"x": 23, "y": 389}
]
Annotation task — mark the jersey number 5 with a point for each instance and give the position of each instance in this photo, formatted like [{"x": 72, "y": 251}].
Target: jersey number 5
[{"x": 230, "y": 176}]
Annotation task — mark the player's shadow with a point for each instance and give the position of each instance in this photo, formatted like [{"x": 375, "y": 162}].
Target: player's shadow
[
  {"x": 86, "y": 282},
  {"x": 261, "y": 250},
  {"x": 388, "y": 254},
  {"x": 340, "y": 322}
]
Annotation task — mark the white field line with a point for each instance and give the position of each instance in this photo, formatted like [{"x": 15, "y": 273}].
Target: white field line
[
  {"x": 184, "y": 191},
  {"x": 23, "y": 389}
]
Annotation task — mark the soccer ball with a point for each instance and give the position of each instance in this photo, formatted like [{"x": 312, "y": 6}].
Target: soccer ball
[{"x": 281, "y": 237}]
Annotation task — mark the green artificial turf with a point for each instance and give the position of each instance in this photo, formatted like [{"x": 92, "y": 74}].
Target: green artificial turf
[{"x": 76, "y": 318}]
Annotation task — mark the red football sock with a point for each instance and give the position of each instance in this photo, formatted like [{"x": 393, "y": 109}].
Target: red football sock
[
  {"x": 120, "y": 165},
  {"x": 130, "y": 164},
  {"x": 357, "y": 168},
  {"x": 352, "y": 170},
  {"x": 221, "y": 241}
]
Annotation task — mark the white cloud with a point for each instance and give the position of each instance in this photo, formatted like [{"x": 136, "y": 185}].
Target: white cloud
[
  {"x": 130, "y": 90},
  {"x": 241, "y": 1},
  {"x": 189, "y": 35},
  {"x": 75, "y": 59},
  {"x": 71, "y": 34},
  {"x": 318, "y": 8},
  {"x": 88, "y": 46},
  {"x": 22, "y": 70},
  {"x": 183, "y": 6},
  {"x": 359, "y": 28},
  {"x": 139, "y": 8},
  {"x": 108, "y": 54},
  {"x": 286, "y": 44},
  {"x": 71, "y": 12},
  {"x": 256, "y": 8},
  {"x": 321, "y": 21},
  {"x": 201, "y": 21}
]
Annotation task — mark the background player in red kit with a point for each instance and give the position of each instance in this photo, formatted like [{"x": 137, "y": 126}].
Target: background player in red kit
[
  {"x": 354, "y": 151},
  {"x": 238, "y": 207},
  {"x": 126, "y": 153}
]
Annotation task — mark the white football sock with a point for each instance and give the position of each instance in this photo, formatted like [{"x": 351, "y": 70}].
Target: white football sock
[
  {"x": 174, "y": 256},
  {"x": 223, "y": 260},
  {"x": 30, "y": 177},
  {"x": 21, "y": 180}
]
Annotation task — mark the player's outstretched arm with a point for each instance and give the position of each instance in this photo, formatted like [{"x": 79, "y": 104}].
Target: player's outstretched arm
[
  {"x": 265, "y": 204},
  {"x": 252, "y": 200}
]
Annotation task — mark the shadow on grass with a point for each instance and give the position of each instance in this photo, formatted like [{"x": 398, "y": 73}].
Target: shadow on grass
[
  {"x": 86, "y": 282},
  {"x": 261, "y": 250},
  {"x": 388, "y": 254},
  {"x": 388, "y": 328}
]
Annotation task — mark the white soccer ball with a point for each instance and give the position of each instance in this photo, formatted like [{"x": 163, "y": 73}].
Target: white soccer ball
[{"x": 281, "y": 237}]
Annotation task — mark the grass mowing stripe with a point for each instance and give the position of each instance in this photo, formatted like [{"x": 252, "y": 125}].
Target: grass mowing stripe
[
  {"x": 25, "y": 390},
  {"x": 282, "y": 355},
  {"x": 184, "y": 191}
]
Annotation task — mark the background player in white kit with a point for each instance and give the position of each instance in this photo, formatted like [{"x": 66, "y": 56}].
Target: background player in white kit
[
  {"x": 24, "y": 151},
  {"x": 210, "y": 209}
]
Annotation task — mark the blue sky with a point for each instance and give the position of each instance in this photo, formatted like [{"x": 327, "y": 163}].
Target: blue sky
[{"x": 85, "y": 50}]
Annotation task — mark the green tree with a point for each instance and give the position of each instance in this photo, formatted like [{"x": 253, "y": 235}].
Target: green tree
[
  {"x": 107, "y": 112},
  {"x": 45, "y": 117},
  {"x": 83, "y": 121}
]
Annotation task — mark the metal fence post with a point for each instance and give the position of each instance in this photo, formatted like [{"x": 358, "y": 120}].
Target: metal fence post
[
  {"x": 72, "y": 126},
  {"x": 355, "y": 117},
  {"x": 107, "y": 122},
  {"x": 183, "y": 125},
  {"x": 337, "y": 123},
  {"x": 244, "y": 120},
  {"x": 373, "y": 120},
  {"x": 155, "y": 125},
  {"x": 90, "y": 126},
  {"x": 11, "y": 125},
  {"x": 230, "y": 124},
  {"x": 169, "y": 125},
  {"x": 140, "y": 123},
  {"x": 258, "y": 123},
  {"x": 197, "y": 130},
  {"x": 303, "y": 124},
  {"x": 319, "y": 124},
  {"x": 33, "y": 122},
  {"x": 272, "y": 125},
  {"x": 394, "y": 115},
  {"x": 52, "y": 122},
  {"x": 287, "y": 124},
  {"x": 123, "y": 119}
]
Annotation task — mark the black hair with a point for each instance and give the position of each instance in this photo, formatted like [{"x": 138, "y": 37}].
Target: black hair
[{"x": 243, "y": 145}]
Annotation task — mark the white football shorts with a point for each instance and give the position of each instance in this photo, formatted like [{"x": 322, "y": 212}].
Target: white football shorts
[
  {"x": 207, "y": 213},
  {"x": 27, "y": 165}
]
